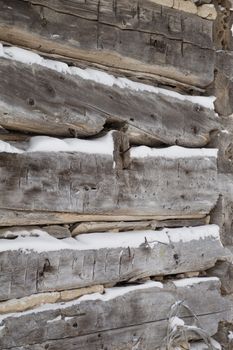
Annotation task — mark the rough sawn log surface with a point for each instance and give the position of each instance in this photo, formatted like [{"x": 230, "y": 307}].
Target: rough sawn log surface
[
  {"x": 118, "y": 319},
  {"x": 37, "y": 99},
  {"x": 130, "y": 35},
  {"x": 78, "y": 182},
  {"x": 80, "y": 262}
]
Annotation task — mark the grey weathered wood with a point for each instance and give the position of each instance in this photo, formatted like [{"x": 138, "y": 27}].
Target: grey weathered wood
[
  {"x": 90, "y": 227},
  {"x": 222, "y": 212},
  {"x": 40, "y": 100},
  {"x": 128, "y": 35},
  {"x": 224, "y": 82},
  {"x": 24, "y": 272},
  {"x": 224, "y": 271},
  {"x": 77, "y": 183},
  {"x": 120, "y": 322},
  {"x": 57, "y": 231},
  {"x": 20, "y": 217},
  {"x": 222, "y": 336},
  {"x": 222, "y": 140}
]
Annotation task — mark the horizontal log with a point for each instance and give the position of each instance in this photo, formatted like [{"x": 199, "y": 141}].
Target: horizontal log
[
  {"x": 66, "y": 231},
  {"x": 129, "y": 35},
  {"x": 30, "y": 217},
  {"x": 66, "y": 180},
  {"x": 90, "y": 9},
  {"x": 36, "y": 262},
  {"x": 91, "y": 227},
  {"x": 55, "y": 99},
  {"x": 79, "y": 324}
]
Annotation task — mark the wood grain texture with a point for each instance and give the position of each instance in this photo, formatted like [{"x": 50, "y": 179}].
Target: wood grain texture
[
  {"x": 40, "y": 217},
  {"x": 24, "y": 271},
  {"x": 78, "y": 182},
  {"x": 224, "y": 271},
  {"x": 130, "y": 35},
  {"x": 39, "y": 100},
  {"x": 91, "y": 227},
  {"x": 224, "y": 82},
  {"x": 222, "y": 213},
  {"x": 120, "y": 322}
]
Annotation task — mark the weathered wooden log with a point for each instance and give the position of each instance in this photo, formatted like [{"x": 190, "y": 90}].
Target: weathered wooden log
[
  {"x": 55, "y": 99},
  {"x": 131, "y": 35},
  {"x": 117, "y": 319},
  {"x": 150, "y": 184},
  {"x": 36, "y": 262}
]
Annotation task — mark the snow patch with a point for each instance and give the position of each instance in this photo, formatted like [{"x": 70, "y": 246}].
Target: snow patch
[
  {"x": 68, "y": 318},
  {"x": 175, "y": 322},
  {"x": 136, "y": 239},
  {"x": 29, "y": 57},
  {"x": 6, "y": 147},
  {"x": 188, "y": 282},
  {"x": 32, "y": 240},
  {"x": 112, "y": 293},
  {"x": 58, "y": 318},
  {"x": 102, "y": 145},
  {"x": 230, "y": 336},
  {"x": 172, "y": 152},
  {"x": 39, "y": 240},
  {"x": 224, "y": 131},
  {"x": 185, "y": 234}
]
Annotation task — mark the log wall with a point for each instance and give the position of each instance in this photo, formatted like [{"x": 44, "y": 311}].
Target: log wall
[{"x": 116, "y": 174}]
